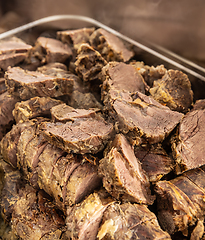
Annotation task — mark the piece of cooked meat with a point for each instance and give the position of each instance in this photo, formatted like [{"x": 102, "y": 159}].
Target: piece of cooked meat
[
  {"x": 89, "y": 63},
  {"x": 84, "y": 218},
  {"x": 13, "y": 51},
  {"x": 35, "y": 216},
  {"x": 180, "y": 202},
  {"x": 75, "y": 37},
  {"x": 144, "y": 119},
  {"x": 173, "y": 90},
  {"x": 27, "y": 84},
  {"x": 9, "y": 142},
  {"x": 64, "y": 113},
  {"x": 155, "y": 161},
  {"x": 66, "y": 177},
  {"x": 34, "y": 107},
  {"x": 149, "y": 73},
  {"x": 110, "y": 46},
  {"x": 130, "y": 221},
  {"x": 189, "y": 152},
  {"x": 121, "y": 76},
  {"x": 123, "y": 177},
  {"x": 11, "y": 180},
  {"x": 56, "y": 51},
  {"x": 82, "y": 135}
]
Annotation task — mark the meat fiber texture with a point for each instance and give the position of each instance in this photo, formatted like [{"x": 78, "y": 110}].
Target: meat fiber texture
[
  {"x": 144, "y": 119},
  {"x": 27, "y": 84},
  {"x": 34, "y": 107},
  {"x": 174, "y": 91},
  {"x": 130, "y": 221},
  {"x": 189, "y": 151},
  {"x": 181, "y": 201},
  {"x": 13, "y": 51},
  {"x": 155, "y": 161},
  {"x": 122, "y": 174},
  {"x": 82, "y": 135},
  {"x": 59, "y": 174}
]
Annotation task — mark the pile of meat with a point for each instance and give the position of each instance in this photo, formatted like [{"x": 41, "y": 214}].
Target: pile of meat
[{"x": 97, "y": 145}]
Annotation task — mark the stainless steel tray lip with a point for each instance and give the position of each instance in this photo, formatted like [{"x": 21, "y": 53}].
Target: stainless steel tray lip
[{"x": 118, "y": 34}]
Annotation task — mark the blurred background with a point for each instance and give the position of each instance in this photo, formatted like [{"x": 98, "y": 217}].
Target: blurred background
[{"x": 178, "y": 25}]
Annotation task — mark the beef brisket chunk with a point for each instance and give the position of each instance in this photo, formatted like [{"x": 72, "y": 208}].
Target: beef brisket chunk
[
  {"x": 64, "y": 113},
  {"x": 34, "y": 107},
  {"x": 130, "y": 221},
  {"x": 56, "y": 51},
  {"x": 189, "y": 152},
  {"x": 13, "y": 51},
  {"x": 80, "y": 96},
  {"x": 35, "y": 216},
  {"x": 180, "y": 201},
  {"x": 122, "y": 145},
  {"x": 66, "y": 178},
  {"x": 83, "y": 135},
  {"x": 75, "y": 37},
  {"x": 27, "y": 84},
  {"x": 84, "y": 218},
  {"x": 192, "y": 191},
  {"x": 144, "y": 119},
  {"x": 121, "y": 76},
  {"x": 122, "y": 180},
  {"x": 199, "y": 105},
  {"x": 155, "y": 161},
  {"x": 111, "y": 47},
  {"x": 9, "y": 143},
  {"x": 89, "y": 63},
  {"x": 175, "y": 209},
  {"x": 174, "y": 91}
]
